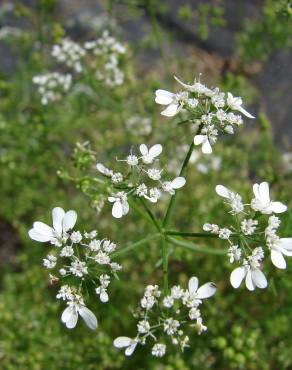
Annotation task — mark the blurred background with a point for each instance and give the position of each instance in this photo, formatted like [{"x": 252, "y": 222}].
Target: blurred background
[{"x": 242, "y": 46}]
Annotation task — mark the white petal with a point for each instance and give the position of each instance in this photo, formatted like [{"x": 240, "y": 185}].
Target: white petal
[
  {"x": 199, "y": 139},
  {"x": 249, "y": 282},
  {"x": 70, "y": 317},
  {"x": 117, "y": 210},
  {"x": 277, "y": 259},
  {"x": 38, "y": 237},
  {"x": 193, "y": 284},
  {"x": 259, "y": 278},
  {"x": 58, "y": 215},
  {"x": 129, "y": 351},
  {"x": 237, "y": 276},
  {"x": 89, "y": 318},
  {"x": 171, "y": 110},
  {"x": 125, "y": 206},
  {"x": 278, "y": 207},
  {"x": 206, "y": 147},
  {"x": 256, "y": 191},
  {"x": 182, "y": 83},
  {"x": 243, "y": 111},
  {"x": 264, "y": 192},
  {"x": 69, "y": 220},
  {"x": 42, "y": 228},
  {"x": 286, "y": 243},
  {"x": 222, "y": 191},
  {"x": 143, "y": 149},
  {"x": 111, "y": 199},
  {"x": 163, "y": 97},
  {"x": 178, "y": 182},
  {"x": 206, "y": 290},
  {"x": 104, "y": 297},
  {"x": 122, "y": 342},
  {"x": 155, "y": 150}
]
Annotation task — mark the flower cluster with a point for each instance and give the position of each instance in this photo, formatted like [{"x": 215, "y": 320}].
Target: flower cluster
[
  {"x": 70, "y": 53},
  {"x": 141, "y": 173},
  {"x": 101, "y": 57},
  {"x": 164, "y": 320},
  {"x": 210, "y": 109},
  {"x": 253, "y": 232},
  {"x": 51, "y": 86},
  {"x": 79, "y": 261},
  {"x": 108, "y": 50}
]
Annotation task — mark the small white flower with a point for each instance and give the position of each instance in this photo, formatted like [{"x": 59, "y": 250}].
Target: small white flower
[
  {"x": 235, "y": 104},
  {"x": 78, "y": 268},
  {"x": 248, "y": 226},
  {"x": 197, "y": 87},
  {"x": 120, "y": 204},
  {"x": 67, "y": 251},
  {"x": 194, "y": 313},
  {"x": 254, "y": 277},
  {"x": 224, "y": 233},
  {"x": 204, "y": 140},
  {"x": 117, "y": 178},
  {"x": 171, "y": 186},
  {"x": 234, "y": 199},
  {"x": 262, "y": 202},
  {"x": 65, "y": 293},
  {"x": 154, "y": 174},
  {"x": 158, "y": 350},
  {"x": 126, "y": 342},
  {"x": 62, "y": 272},
  {"x": 234, "y": 253},
  {"x": 194, "y": 295},
  {"x": 94, "y": 245},
  {"x": 76, "y": 237},
  {"x": 142, "y": 190},
  {"x": 154, "y": 195},
  {"x": 101, "y": 291},
  {"x": 176, "y": 292},
  {"x": 50, "y": 262},
  {"x": 149, "y": 155},
  {"x": 283, "y": 247},
  {"x": 132, "y": 160},
  {"x": 143, "y": 326},
  {"x": 170, "y": 326},
  {"x": 70, "y": 316},
  {"x": 173, "y": 101},
  {"x": 168, "y": 301},
  {"x": 62, "y": 222},
  {"x": 102, "y": 258},
  {"x": 103, "y": 170},
  {"x": 200, "y": 327},
  {"x": 213, "y": 228}
]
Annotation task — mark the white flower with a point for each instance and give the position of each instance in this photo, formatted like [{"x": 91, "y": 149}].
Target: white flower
[
  {"x": 204, "y": 140},
  {"x": 62, "y": 222},
  {"x": 234, "y": 253},
  {"x": 168, "y": 301},
  {"x": 126, "y": 342},
  {"x": 141, "y": 190},
  {"x": 197, "y": 87},
  {"x": 262, "y": 201},
  {"x": 78, "y": 268},
  {"x": 158, "y": 350},
  {"x": 76, "y": 237},
  {"x": 176, "y": 292},
  {"x": 70, "y": 316},
  {"x": 117, "y": 178},
  {"x": 103, "y": 170},
  {"x": 143, "y": 326},
  {"x": 194, "y": 313},
  {"x": 171, "y": 186},
  {"x": 194, "y": 295},
  {"x": 173, "y": 101},
  {"x": 232, "y": 198},
  {"x": 170, "y": 326},
  {"x": 213, "y": 228},
  {"x": 235, "y": 104},
  {"x": 132, "y": 160},
  {"x": 254, "y": 277},
  {"x": 248, "y": 226},
  {"x": 149, "y": 155},
  {"x": 67, "y": 251},
  {"x": 101, "y": 291},
  {"x": 65, "y": 293},
  {"x": 120, "y": 206},
  {"x": 154, "y": 174},
  {"x": 154, "y": 195},
  {"x": 50, "y": 262},
  {"x": 94, "y": 245},
  {"x": 283, "y": 246},
  {"x": 201, "y": 328},
  {"x": 224, "y": 233}
]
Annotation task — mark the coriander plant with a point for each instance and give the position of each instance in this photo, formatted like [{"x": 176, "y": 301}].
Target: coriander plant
[{"x": 84, "y": 265}]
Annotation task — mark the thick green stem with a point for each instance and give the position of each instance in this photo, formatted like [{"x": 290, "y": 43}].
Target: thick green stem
[
  {"x": 136, "y": 245},
  {"x": 194, "y": 247},
  {"x": 192, "y": 235},
  {"x": 164, "y": 265}
]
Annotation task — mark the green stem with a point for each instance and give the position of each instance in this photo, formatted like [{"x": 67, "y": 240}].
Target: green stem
[
  {"x": 194, "y": 247},
  {"x": 164, "y": 265},
  {"x": 136, "y": 245},
  {"x": 151, "y": 215},
  {"x": 193, "y": 235}
]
